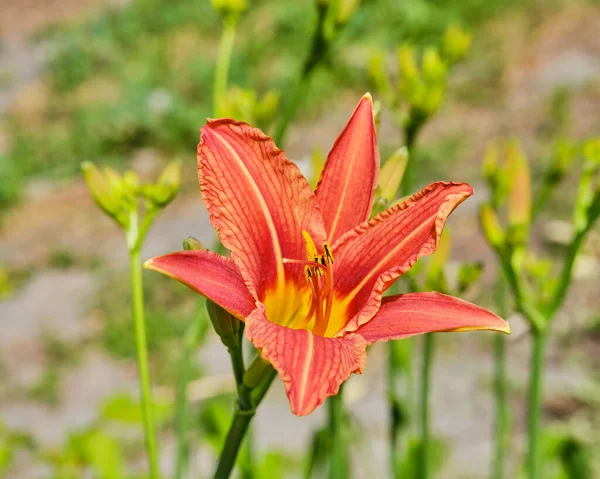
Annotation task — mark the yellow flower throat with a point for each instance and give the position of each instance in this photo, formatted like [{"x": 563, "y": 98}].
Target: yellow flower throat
[{"x": 318, "y": 272}]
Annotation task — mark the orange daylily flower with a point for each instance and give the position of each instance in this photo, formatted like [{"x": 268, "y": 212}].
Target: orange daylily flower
[{"x": 308, "y": 269}]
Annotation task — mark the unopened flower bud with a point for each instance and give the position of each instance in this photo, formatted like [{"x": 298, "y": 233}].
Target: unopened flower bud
[
  {"x": 193, "y": 244},
  {"x": 492, "y": 229},
  {"x": 225, "y": 324},
  {"x": 106, "y": 189},
  {"x": 391, "y": 174},
  {"x": 432, "y": 66},
  {"x": 456, "y": 44},
  {"x": 435, "y": 278},
  {"x": 345, "y": 10},
  {"x": 408, "y": 65},
  {"x": 519, "y": 196}
]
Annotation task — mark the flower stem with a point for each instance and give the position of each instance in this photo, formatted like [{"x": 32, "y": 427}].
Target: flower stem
[
  {"x": 142, "y": 357},
  {"x": 535, "y": 405},
  {"x": 401, "y": 352},
  {"x": 318, "y": 51},
  {"x": 248, "y": 401},
  {"x": 423, "y": 460},
  {"x": 182, "y": 414},
  {"x": 501, "y": 410},
  {"x": 223, "y": 62},
  {"x": 501, "y": 426},
  {"x": 339, "y": 454}
]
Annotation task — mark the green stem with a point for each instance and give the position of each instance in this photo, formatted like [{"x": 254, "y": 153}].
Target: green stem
[
  {"x": 401, "y": 352},
  {"x": 239, "y": 425},
  {"x": 142, "y": 355},
  {"x": 501, "y": 429},
  {"x": 234, "y": 439},
  {"x": 501, "y": 409},
  {"x": 411, "y": 131},
  {"x": 190, "y": 341},
  {"x": 339, "y": 467},
  {"x": 318, "y": 51},
  {"x": 423, "y": 461},
  {"x": 223, "y": 62},
  {"x": 535, "y": 405},
  {"x": 565, "y": 276},
  {"x": 182, "y": 414}
]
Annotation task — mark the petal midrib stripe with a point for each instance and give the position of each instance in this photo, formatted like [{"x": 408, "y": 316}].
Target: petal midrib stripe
[{"x": 262, "y": 203}]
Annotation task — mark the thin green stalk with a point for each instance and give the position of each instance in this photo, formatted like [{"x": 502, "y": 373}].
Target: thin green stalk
[
  {"x": 142, "y": 357},
  {"x": 501, "y": 409},
  {"x": 223, "y": 63},
  {"x": 565, "y": 276},
  {"x": 423, "y": 460},
  {"x": 339, "y": 467},
  {"x": 318, "y": 51},
  {"x": 535, "y": 405},
  {"x": 501, "y": 426},
  {"x": 239, "y": 427},
  {"x": 234, "y": 439},
  {"x": 182, "y": 416},
  {"x": 401, "y": 352}
]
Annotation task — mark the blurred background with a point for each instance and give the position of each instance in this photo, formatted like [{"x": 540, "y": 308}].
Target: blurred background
[{"x": 127, "y": 83}]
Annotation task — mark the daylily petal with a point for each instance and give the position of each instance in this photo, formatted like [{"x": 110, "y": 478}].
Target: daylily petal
[
  {"x": 312, "y": 367},
  {"x": 345, "y": 191},
  {"x": 406, "y": 315},
  {"x": 258, "y": 202},
  {"x": 373, "y": 255},
  {"x": 211, "y": 275}
]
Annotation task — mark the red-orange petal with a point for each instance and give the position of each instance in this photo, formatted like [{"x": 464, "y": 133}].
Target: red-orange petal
[
  {"x": 312, "y": 367},
  {"x": 410, "y": 314},
  {"x": 258, "y": 202},
  {"x": 347, "y": 185},
  {"x": 211, "y": 275},
  {"x": 373, "y": 255}
]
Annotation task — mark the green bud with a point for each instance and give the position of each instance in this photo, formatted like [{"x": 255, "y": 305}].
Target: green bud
[
  {"x": 167, "y": 185},
  {"x": 519, "y": 195},
  {"x": 226, "y": 325},
  {"x": 492, "y": 229},
  {"x": 230, "y": 8},
  {"x": 391, "y": 174},
  {"x": 588, "y": 196},
  {"x": 192, "y": 244},
  {"x": 377, "y": 116},
  {"x": 317, "y": 163},
  {"x": 432, "y": 66},
  {"x": 468, "y": 274},
  {"x": 345, "y": 10},
  {"x": 456, "y": 44},
  {"x": 377, "y": 75},
  {"x": 107, "y": 191},
  {"x": 435, "y": 278},
  {"x": 380, "y": 204},
  {"x": 409, "y": 71}
]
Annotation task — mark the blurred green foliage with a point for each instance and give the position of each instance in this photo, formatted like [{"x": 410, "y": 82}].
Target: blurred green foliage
[{"x": 140, "y": 75}]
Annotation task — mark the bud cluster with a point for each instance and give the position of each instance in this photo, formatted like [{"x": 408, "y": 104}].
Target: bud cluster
[
  {"x": 118, "y": 194},
  {"x": 421, "y": 80}
]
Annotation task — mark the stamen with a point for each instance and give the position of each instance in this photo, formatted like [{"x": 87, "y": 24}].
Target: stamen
[{"x": 304, "y": 262}]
